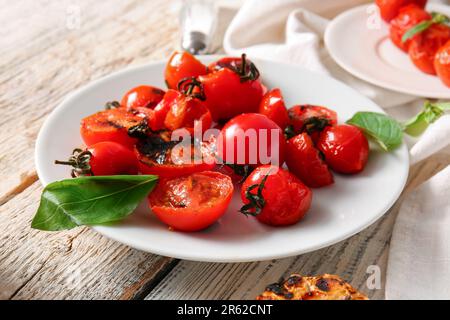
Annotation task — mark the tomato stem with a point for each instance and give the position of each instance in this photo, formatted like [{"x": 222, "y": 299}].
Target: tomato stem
[
  {"x": 257, "y": 201},
  {"x": 247, "y": 71},
  {"x": 188, "y": 85},
  {"x": 80, "y": 161},
  {"x": 437, "y": 18},
  {"x": 112, "y": 105}
]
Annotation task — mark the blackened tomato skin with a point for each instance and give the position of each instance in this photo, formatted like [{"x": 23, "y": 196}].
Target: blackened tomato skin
[
  {"x": 111, "y": 158},
  {"x": 304, "y": 160},
  {"x": 301, "y": 115},
  {"x": 110, "y": 125},
  {"x": 345, "y": 148},
  {"x": 182, "y": 65},
  {"x": 192, "y": 203},
  {"x": 176, "y": 166},
  {"x": 287, "y": 199}
]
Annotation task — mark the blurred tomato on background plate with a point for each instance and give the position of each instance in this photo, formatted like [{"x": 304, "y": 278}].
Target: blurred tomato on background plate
[{"x": 358, "y": 40}]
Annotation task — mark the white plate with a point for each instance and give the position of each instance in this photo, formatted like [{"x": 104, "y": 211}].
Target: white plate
[
  {"x": 364, "y": 49},
  {"x": 338, "y": 212}
]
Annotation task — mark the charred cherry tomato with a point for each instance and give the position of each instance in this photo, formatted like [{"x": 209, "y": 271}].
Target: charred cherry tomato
[
  {"x": 102, "y": 159},
  {"x": 180, "y": 109},
  {"x": 389, "y": 9},
  {"x": 407, "y": 18},
  {"x": 188, "y": 107},
  {"x": 142, "y": 97},
  {"x": 156, "y": 122},
  {"x": 442, "y": 63},
  {"x": 232, "y": 91},
  {"x": 275, "y": 196},
  {"x": 183, "y": 65},
  {"x": 110, "y": 125},
  {"x": 272, "y": 106},
  {"x": 305, "y": 161},
  {"x": 192, "y": 203},
  {"x": 158, "y": 155},
  {"x": 424, "y": 46},
  {"x": 345, "y": 148},
  {"x": 251, "y": 139},
  {"x": 310, "y": 119}
]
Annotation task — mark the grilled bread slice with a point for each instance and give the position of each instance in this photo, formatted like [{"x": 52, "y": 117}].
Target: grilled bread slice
[{"x": 326, "y": 287}]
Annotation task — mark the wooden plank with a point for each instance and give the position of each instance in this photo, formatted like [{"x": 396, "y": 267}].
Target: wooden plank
[
  {"x": 78, "y": 264},
  {"x": 349, "y": 259},
  {"x": 43, "y": 59}
]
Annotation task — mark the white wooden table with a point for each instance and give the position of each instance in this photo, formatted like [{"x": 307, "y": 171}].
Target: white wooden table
[{"x": 48, "y": 49}]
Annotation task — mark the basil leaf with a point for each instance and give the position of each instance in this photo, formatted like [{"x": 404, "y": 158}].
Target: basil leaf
[
  {"x": 90, "y": 201},
  {"x": 437, "y": 18},
  {"x": 430, "y": 113},
  {"x": 418, "y": 28},
  {"x": 386, "y": 131}
]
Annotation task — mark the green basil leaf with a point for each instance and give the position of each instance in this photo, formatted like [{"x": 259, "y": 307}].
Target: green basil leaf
[
  {"x": 90, "y": 201},
  {"x": 386, "y": 131},
  {"x": 418, "y": 28},
  {"x": 437, "y": 18},
  {"x": 430, "y": 113}
]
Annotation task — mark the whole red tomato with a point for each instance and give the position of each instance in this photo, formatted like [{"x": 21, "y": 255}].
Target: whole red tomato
[
  {"x": 251, "y": 139},
  {"x": 182, "y": 65},
  {"x": 275, "y": 196},
  {"x": 232, "y": 91},
  {"x": 408, "y": 17},
  {"x": 159, "y": 155},
  {"x": 181, "y": 110},
  {"x": 142, "y": 97},
  {"x": 442, "y": 63},
  {"x": 110, "y": 125},
  {"x": 192, "y": 203},
  {"x": 345, "y": 148},
  {"x": 423, "y": 47},
  {"x": 272, "y": 106},
  {"x": 389, "y": 9},
  {"x": 102, "y": 159},
  {"x": 305, "y": 161}
]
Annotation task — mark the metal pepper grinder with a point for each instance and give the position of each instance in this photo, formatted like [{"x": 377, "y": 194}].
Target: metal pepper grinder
[{"x": 198, "y": 23}]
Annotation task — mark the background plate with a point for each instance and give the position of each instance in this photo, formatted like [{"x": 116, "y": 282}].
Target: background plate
[
  {"x": 367, "y": 52},
  {"x": 338, "y": 212}
]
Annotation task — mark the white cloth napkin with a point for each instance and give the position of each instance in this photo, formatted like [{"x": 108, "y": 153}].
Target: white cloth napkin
[{"x": 292, "y": 31}]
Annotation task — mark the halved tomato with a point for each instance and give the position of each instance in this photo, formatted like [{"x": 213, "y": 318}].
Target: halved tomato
[
  {"x": 160, "y": 156},
  {"x": 110, "y": 125},
  {"x": 192, "y": 203}
]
